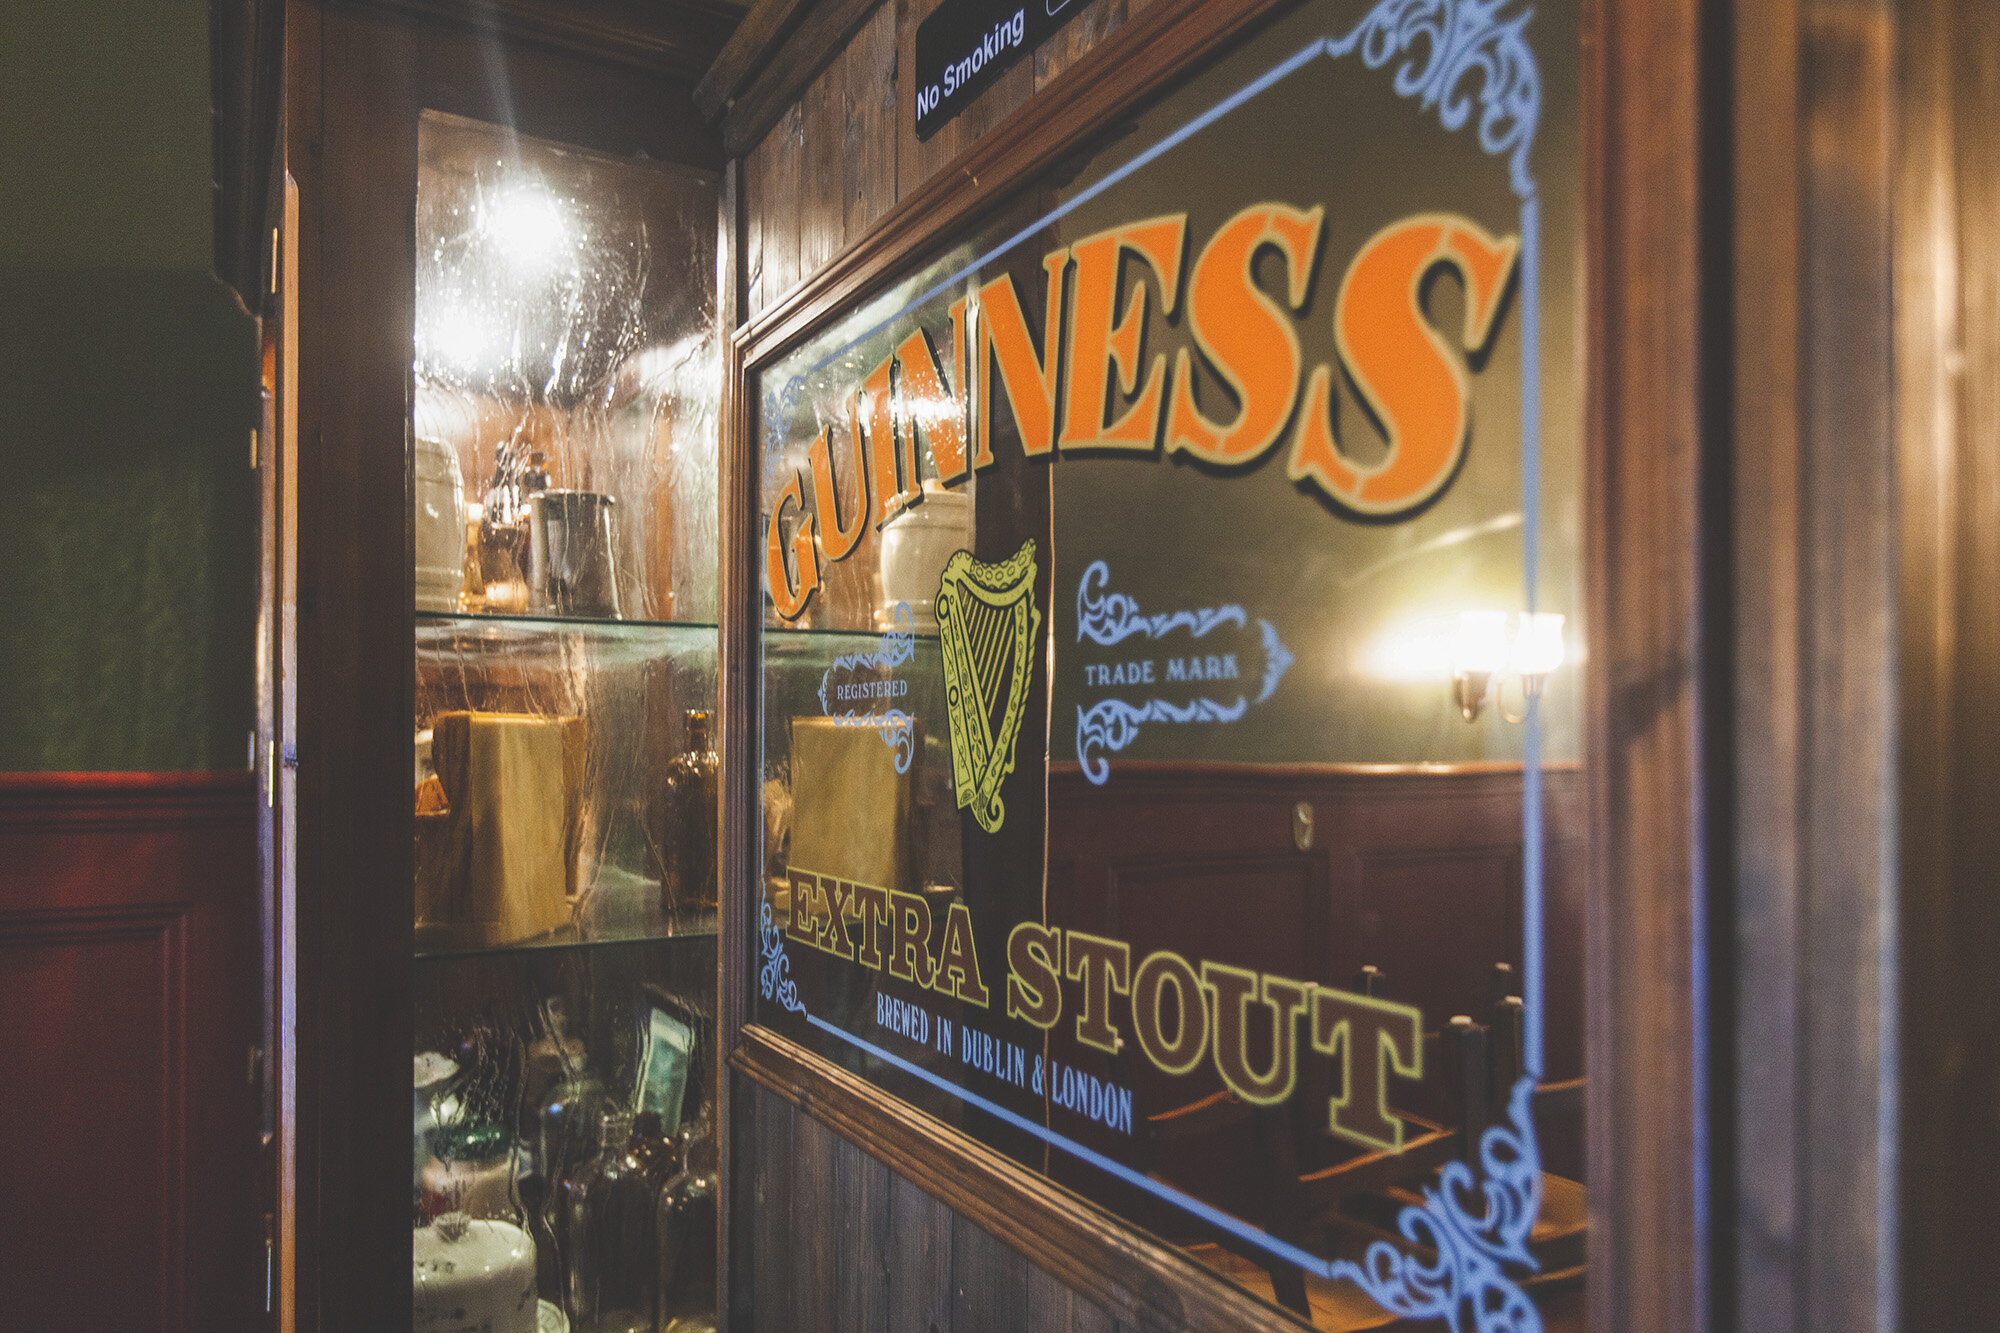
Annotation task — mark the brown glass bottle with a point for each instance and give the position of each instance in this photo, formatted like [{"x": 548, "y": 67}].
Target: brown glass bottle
[
  {"x": 693, "y": 788},
  {"x": 611, "y": 1215}
]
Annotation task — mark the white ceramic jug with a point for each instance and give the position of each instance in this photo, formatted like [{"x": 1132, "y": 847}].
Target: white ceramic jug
[{"x": 438, "y": 501}]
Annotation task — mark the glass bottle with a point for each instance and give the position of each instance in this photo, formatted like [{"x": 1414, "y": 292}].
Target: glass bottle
[
  {"x": 687, "y": 1240},
  {"x": 693, "y": 788},
  {"x": 569, "y": 1117},
  {"x": 611, "y": 1211}
]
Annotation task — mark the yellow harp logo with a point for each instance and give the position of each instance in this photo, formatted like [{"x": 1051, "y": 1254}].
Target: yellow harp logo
[{"x": 987, "y": 623}]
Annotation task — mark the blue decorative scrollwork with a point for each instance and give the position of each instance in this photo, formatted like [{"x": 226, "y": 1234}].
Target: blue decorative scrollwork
[
  {"x": 1277, "y": 660},
  {"x": 1111, "y": 618},
  {"x": 1460, "y": 38},
  {"x": 1467, "y": 1285},
  {"x": 898, "y": 645},
  {"x": 1113, "y": 724},
  {"x": 775, "y": 979}
]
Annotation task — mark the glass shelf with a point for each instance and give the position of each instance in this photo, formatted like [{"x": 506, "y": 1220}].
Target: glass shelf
[
  {"x": 572, "y": 939},
  {"x": 786, "y": 632},
  {"x": 553, "y": 622},
  {"x": 529, "y": 641}
]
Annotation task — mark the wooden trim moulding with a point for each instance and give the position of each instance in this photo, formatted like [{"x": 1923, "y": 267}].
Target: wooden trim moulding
[
  {"x": 682, "y": 39},
  {"x": 125, "y": 800},
  {"x": 760, "y": 101},
  {"x": 1142, "y": 1282},
  {"x": 767, "y": 24}
]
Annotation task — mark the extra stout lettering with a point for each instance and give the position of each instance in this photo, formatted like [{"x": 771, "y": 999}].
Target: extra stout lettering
[{"x": 1180, "y": 1012}]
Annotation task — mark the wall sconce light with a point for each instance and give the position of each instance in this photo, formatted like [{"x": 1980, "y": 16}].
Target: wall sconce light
[{"x": 1482, "y": 652}]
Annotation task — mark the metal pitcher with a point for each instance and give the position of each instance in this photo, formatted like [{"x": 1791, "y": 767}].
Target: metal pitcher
[{"x": 570, "y": 566}]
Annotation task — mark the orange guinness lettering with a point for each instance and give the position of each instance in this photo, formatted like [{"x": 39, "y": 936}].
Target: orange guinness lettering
[
  {"x": 1089, "y": 384},
  {"x": 1096, "y": 344},
  {"x": 1244, "y": 335},
  {"x": 1410, "y": 379}
]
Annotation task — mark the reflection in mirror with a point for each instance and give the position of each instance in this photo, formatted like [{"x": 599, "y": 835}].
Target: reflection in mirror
[{"x": 1172, "y": 737}]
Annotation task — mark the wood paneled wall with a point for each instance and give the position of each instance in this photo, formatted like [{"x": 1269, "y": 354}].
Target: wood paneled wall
[
  {"x": 860, "y": 1248},
  {"x": 846, "y": 151},
  {"x": 1947, "y": 310},
  {"x": 128, "y": 967}
]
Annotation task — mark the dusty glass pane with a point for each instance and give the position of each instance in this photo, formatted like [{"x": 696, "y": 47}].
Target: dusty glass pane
[
  {"x": 563, "y": 462},
  {"x": 565, "y": 307}
]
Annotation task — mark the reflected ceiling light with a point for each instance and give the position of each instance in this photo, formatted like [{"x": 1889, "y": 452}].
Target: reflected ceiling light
[
  {"x": 456, "y": 337},
  {"x": 527, "y": 225}
]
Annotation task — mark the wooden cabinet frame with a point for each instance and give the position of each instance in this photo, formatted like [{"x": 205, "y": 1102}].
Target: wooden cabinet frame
[{"x": 357, "y": 78}]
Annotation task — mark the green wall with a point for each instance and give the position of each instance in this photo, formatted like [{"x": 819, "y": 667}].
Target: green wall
[{"x": 128, "y": 380}]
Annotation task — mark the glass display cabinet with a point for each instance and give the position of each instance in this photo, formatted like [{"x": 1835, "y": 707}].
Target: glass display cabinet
[
  {"x": 500, "y": 456},
  {"x": 563, "y": 431}
]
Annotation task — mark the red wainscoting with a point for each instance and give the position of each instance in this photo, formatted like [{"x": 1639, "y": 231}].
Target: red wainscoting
[{"x": 129, "y": 983}]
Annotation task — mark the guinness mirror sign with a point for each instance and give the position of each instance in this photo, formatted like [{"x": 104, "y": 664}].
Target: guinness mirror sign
[{"x": 1129, "y": 564}]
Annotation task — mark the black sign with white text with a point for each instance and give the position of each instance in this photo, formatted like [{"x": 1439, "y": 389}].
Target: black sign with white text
[{"x": 967, "y": 44}]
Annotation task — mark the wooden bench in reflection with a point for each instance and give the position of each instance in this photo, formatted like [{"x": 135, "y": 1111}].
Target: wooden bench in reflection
[{"x": 1414, "y": 868}]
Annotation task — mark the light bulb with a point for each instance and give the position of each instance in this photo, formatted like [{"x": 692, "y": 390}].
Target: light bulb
[
  {"x": 1481, "y": 643},
  {"x": 1538, "y": 644}
]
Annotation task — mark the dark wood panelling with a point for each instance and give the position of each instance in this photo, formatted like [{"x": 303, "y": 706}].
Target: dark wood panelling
[
  {"x": 846, "y": 133},
  {"x": 873, "y": 85},
  {"x": 989, "y": 1283},
  {"x": 822, "y": 201},
  {"x": 128, "y": 958},
  {"x": 920, "y": 1287},
  {"x": 821, "y": 35},
  {"x": 1022, "y": 1220},
  {"x": 1767, "y": 935},
  {"x": 1802, "y": 1136},
  {"x": 1099, "y": 20},
  {"x": 684, "y": 39},
  {"x": 1105, "y": 83},
  {"x": 1947, "y": 365},
  {"x": 768, "y": 1184},
  {"x": 768, "y": 23},
  {"x": 1846, "y": 659},
  {"x": 861, "y": 1185},
  {"x": 905, "y": 1260}
]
